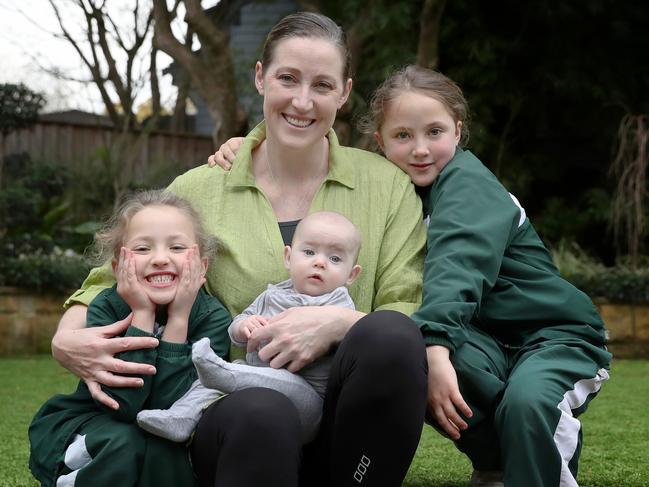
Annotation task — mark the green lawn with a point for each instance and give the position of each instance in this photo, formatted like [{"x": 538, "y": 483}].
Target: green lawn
[{"x": 616, "y": 431}]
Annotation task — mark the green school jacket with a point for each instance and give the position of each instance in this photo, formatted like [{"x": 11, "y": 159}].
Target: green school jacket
[
  {"x": 487, "y": 267},
  {"x": 62, "y": 415}
]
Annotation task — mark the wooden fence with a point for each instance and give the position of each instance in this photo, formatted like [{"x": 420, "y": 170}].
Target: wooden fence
[{"x": 75, "y": 144}]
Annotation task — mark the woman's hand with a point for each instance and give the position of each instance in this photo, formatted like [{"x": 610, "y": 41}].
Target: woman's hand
[
  {"x": 224, "y": 157},
  {"x": 298, "y": 336},
  {"x": 444, "y": 399},
  {"x": 191, "y": 278},
  {"x": 89, "y": 353}
]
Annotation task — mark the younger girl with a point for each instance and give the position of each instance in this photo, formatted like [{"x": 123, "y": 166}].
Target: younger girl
[
  {"x": 515, "y": 352},
  {"x": 159, "y": 257}
]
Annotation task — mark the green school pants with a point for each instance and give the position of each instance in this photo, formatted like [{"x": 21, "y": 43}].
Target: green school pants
[
  {"x": 122, "y": 454},
  {"x": 525, "y": 402}
]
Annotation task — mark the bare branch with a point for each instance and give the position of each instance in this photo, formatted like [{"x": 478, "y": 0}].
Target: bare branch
[
  {"x": 93, "y": 67},
  {"x": 156, "y": 109},
  {"x": 116, "y": 33},
  {"x": 113, "y": 74},
  {"x": 208, "y": 34}
]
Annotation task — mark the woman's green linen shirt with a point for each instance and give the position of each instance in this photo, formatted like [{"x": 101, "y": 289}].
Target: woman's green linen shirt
[{"x": 366, "y": 188}]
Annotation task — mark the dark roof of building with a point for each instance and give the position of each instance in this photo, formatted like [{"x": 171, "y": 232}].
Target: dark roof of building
[{"x": 77, "y": 117}]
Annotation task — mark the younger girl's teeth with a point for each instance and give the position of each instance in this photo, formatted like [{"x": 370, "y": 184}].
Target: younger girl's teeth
[{"x": 161, "y": 279}]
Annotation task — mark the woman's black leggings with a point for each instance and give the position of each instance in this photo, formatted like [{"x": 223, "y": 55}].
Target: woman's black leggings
[{"x": 373, "y": 414}]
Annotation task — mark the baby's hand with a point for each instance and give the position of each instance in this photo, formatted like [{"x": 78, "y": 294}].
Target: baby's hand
[
  {"x": 129, "y": 287},
  {"x": 245, "y": 328},
  {"x": 226, "y": 154},
  {"x": 190, "y": 280}
]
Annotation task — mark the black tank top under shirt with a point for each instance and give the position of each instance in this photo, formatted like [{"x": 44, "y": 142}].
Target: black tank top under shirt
[{"x": 287, "y": 229}]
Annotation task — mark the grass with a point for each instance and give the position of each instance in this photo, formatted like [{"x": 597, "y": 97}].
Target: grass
[{"x": 616, "y": 431}]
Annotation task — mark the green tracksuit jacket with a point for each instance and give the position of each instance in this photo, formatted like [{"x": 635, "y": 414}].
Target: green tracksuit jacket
[
  {"x": 486, "y": 266},
  {"x": 64, "y": 415}
]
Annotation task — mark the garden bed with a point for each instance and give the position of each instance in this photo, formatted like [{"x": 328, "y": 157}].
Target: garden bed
[
  {"x": 28, "y": 320},
  {"x": 627, "y": 325}
]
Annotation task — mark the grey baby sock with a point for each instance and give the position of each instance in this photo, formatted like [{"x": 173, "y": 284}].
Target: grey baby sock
[{"x": 179, "y": 421}]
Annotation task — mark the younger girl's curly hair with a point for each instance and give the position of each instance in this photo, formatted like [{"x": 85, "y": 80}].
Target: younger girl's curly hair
[{"x": 110, "y": 239}]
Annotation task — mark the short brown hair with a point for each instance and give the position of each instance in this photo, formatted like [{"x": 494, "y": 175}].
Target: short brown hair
[{"x": 308, "y": 25}]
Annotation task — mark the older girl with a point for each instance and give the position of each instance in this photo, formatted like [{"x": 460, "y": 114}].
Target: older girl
[
  {"x": 515, "y": 352},
  {"x": 159, "y": 256},
  {"x": 289, "y": 166}
]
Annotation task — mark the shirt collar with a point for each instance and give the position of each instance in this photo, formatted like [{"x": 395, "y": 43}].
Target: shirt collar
[{"x": 340, "y": 170}]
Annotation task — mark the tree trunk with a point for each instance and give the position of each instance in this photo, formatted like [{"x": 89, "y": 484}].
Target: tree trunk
[
  {"x": 428, "y": 47},
  {"x": 211, "y": 71}
]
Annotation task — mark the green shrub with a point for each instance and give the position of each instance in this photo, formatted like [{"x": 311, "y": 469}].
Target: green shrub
[
  {"x": 48, "y": 272},
  {"x": 616, "y": 284},
  {"x": 620, "y": 283}
]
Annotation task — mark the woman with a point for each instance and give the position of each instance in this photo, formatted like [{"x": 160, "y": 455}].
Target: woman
[{"x": 289, "y": 166}]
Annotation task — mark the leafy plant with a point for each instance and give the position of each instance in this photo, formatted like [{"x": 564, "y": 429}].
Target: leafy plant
[
  {"x": 19, "y": 107},
  {"x": 619, "y": 283},
  {"x": 48, "y": 272}
]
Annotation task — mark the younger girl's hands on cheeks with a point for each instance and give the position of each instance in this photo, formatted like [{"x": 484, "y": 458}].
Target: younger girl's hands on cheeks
[
  {"x": 445, "y": 403},
  {"x": 226, "y": 154},
  {"x": 190, "y": 280},
  {"x": 132, "y": 291}
]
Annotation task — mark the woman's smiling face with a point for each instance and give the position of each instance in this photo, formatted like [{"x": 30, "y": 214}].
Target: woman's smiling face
[{"x": 302, "y": 88}]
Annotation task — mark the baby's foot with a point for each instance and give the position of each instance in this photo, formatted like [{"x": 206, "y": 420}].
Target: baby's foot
[
  {"x": 179, "y": 421},
  {"x": 213, "y": 371},
  {"x": 162, "y": 422}
]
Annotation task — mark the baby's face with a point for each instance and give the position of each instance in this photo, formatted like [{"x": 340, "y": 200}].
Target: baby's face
[{"x": 322, "y": 257}]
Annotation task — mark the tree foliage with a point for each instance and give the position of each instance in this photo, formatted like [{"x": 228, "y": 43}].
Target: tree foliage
[
  {"x": 19, "y": 107},
  {"x": 548, "y": 84}
]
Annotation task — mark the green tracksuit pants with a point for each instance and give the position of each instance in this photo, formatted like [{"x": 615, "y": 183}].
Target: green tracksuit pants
[
  {"x": 111, "y": 453},
  {"x": 525, "y": 402}
]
